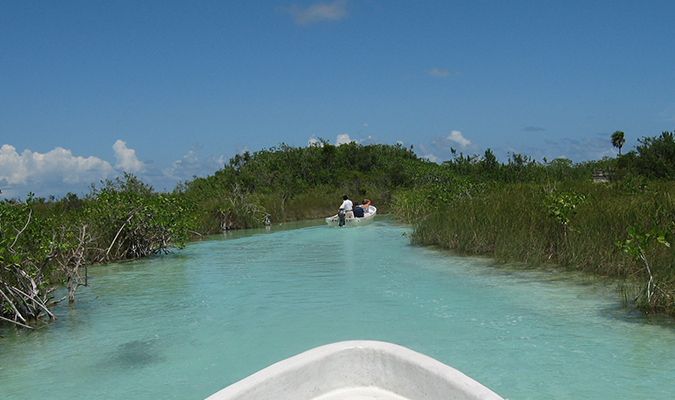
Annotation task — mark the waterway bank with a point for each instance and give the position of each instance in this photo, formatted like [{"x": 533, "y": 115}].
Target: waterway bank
[{"x": 187, "y": 324}]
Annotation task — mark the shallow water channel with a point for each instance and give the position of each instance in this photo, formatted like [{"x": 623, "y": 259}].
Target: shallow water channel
[{"x": 185, "y": 325}]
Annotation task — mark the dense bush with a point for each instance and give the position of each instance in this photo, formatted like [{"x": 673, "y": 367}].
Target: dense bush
[
  {"x": 288, "y": 183},
  {"x": 653, "y": 159}
]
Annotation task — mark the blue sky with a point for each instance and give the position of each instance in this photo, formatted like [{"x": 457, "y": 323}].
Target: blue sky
[{"x": 171, "y": 89}]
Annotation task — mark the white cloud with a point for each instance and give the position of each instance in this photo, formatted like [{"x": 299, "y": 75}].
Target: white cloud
[
  {"x": 12, "y": 168},
  {"x": 189, "y": 161},
  {"x": 318, "y": 12},
  {"x": 343, "y": 139},
  {"x": 242, "y": 150},
  {"x": 577, "y": 150},
  {"x": 441, "y": 147},
  {"x": 54, "y": 172},
  {"x": 57, "y": 164},
  {"x": 423, "y": 152},
  {"x": 58, "y": 171},
  {"x": 582, "y": 149},
  {"x": 457, "y": 137},
  {"x": 371, "y": 139},
  {"x": 190, "y": 166},
  {"x": 126, "y": 158},
  {"x": 431, "y": 158},
  {"x": 439, "y": 74}
]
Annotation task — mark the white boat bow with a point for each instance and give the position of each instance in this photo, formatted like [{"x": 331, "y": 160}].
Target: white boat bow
[{"x": 363, "y": 370}]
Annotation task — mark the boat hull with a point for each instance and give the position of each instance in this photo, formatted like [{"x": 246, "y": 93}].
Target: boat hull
[
  {"x": 358, "y": 370},
  {"x": 368, "y": 217}
]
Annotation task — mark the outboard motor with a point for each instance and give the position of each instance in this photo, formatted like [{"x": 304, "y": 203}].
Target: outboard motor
[{"x": 341, "y": 217}]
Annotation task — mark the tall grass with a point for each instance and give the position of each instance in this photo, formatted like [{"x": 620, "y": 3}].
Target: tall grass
[{"x": 517, "y": 223}]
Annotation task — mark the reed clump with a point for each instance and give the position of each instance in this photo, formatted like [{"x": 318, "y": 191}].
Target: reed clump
[{"x": 574, "y": 224}]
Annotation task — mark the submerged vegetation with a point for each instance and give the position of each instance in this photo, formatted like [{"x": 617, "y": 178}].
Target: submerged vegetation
[{"x": 549, "y": 213}]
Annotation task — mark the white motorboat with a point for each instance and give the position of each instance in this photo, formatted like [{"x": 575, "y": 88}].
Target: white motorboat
[
  {"x": 357, "y": 370},
  {"x": 367, "y": 218}
]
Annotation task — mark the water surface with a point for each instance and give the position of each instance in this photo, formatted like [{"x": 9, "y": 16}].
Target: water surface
[{"x": 185, "y": 325}]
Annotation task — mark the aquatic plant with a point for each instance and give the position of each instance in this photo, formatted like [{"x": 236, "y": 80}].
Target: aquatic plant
[{"x": 637, "y": 245}]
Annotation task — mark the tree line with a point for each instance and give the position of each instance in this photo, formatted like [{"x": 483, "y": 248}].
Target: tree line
[{"x": 521, "y": 210}]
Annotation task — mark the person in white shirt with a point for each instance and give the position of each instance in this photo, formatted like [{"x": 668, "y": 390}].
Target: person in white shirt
[{"x": 347, "y": 205}]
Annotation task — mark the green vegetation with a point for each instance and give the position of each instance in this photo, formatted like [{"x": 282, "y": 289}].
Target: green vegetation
[
  {"x": 290, "y": 183},
  {"x": 554, "y": 214},
  {"x": 524, "y": 211},
  {"x": 618, "y": 140},
  {"x": 637, "y": 245},
  {"x": 47, "y": 243}
]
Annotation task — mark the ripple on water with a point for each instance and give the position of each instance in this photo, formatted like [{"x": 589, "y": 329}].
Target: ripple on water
[{"x": 187, "y": 324}]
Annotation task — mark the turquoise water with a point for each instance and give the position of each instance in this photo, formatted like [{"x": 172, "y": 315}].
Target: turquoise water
[{"x": 185, "y": 325}]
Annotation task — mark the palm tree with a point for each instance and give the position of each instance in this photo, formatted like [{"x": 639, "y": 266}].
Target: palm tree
[{"x": 618, "y": 140}]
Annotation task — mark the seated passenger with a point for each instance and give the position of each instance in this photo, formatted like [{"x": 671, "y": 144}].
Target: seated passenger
[
  {"x": 365, "y": 205},
  {"x": 358, "y": 211}
]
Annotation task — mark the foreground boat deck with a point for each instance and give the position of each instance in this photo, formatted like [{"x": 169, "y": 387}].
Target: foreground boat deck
[
  {"x": 357, "y": 370},
  {"x": 361, "y": 393}
]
